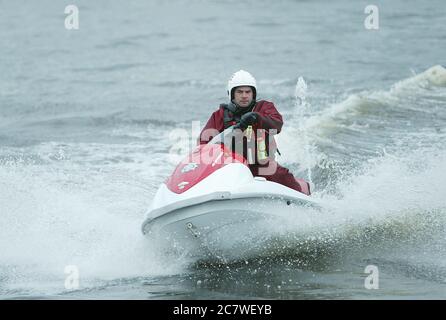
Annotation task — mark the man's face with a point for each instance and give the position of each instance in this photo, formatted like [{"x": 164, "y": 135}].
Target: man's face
[{"x": 243, "y": 96}]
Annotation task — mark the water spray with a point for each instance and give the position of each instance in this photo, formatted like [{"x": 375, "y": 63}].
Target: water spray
[{"x": 302, "y": 106}]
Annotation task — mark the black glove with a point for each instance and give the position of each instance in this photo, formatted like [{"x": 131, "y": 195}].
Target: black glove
[{"x": 248, "y": 119}]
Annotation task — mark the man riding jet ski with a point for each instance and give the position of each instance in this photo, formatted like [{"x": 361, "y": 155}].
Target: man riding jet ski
[
  {"x": 221, "y": 203},
  {"x": 263, "y": 120}
]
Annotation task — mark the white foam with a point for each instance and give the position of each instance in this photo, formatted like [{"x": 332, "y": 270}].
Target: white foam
[
  {"x": 52, "y": 218},
  {"x": 394, "y": 184},
  {"x": 435, "y": 76}
]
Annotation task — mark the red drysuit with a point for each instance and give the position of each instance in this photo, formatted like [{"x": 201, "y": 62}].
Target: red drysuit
[{"x": 269, "y": 120}]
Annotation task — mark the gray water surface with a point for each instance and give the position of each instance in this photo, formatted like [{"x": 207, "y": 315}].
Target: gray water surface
[{"x": 86, "y": 123}]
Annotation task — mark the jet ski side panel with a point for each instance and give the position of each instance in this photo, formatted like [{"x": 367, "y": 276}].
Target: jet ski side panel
[{"x": 223, "y": 228}]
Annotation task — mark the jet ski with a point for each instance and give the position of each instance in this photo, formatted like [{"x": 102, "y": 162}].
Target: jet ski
[{"x": 213, "y": 207}]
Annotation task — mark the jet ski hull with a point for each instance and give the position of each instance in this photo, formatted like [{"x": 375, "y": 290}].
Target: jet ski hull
[{"x": 224, "y": 229}]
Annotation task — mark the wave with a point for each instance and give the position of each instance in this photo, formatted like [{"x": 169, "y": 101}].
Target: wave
[
  {"x": 366, "y": 125},
  {"x": 189, "y": 83},
  {"x": 77, "y": 122},
  {"x": 110, "y": 68},
  {"x": 416, "y": 86}
]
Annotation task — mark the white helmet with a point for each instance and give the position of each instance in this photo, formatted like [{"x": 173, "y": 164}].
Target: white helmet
[{"x": 241, "y": 78}]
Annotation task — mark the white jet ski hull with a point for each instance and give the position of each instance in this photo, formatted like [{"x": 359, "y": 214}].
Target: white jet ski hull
[{"x": 225, "y": 229}]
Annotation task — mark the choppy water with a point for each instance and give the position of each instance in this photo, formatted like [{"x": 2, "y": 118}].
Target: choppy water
[{"x": 86, "y": 122}]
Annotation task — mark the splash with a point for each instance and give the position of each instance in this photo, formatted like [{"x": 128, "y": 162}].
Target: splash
[
  {"x": 295, "y": 141},
  {"x": 300, "y": 94},
  {"x": 53, "y": 217},
  {"x": 302, "y": 108},
  {"x": 394, "y": 201}
]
